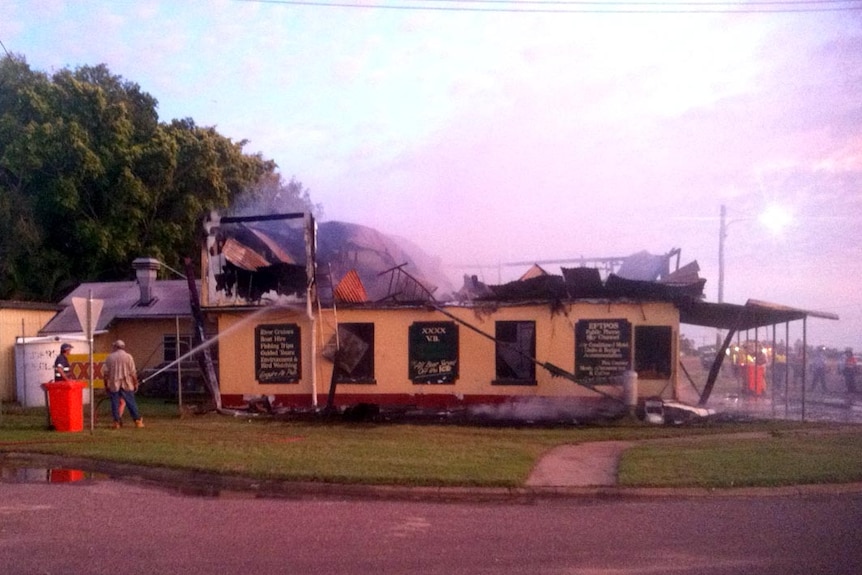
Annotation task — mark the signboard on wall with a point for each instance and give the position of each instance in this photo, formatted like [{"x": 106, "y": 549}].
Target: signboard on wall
[
  {"x": 603, "y": 347},
  {"x": 277, "y": 353},
  {"x": 433, "y": 353}
]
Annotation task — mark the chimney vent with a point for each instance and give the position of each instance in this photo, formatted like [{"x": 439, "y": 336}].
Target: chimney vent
[{"x": 145, "y": 272}]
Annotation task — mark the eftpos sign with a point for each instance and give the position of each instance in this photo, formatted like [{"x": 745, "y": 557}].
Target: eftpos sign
[{"x": 603, "y": 347}]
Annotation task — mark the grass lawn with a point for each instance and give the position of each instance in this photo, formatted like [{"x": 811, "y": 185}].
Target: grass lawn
[
  {"x": 790, "y": 458},
  {"x": 443, "y": 455}
]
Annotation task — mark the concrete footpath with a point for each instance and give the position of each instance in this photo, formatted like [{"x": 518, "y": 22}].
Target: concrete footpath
[
  {"x": 596, "y": 464},
  {"x": 581, "y": 465}
]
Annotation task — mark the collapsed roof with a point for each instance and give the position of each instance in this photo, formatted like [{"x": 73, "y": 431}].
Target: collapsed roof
[
  {"x": 253, "y": 260},
  {"x": 256, "y": 259},
  {"x": 640, "y": 276}
]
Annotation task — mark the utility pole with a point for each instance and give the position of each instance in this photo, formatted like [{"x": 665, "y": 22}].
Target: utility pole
[{"x": 722, "y": 235}]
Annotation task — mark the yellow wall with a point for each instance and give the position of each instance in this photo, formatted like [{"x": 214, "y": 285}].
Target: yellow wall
[
  {"x": 555, "y": 343},
  {"x": 144, "y": 339},
  {"x": 14, "y": 323}
]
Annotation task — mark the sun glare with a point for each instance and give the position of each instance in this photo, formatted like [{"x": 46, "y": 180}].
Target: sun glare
[{"x": 776, "y": 219}]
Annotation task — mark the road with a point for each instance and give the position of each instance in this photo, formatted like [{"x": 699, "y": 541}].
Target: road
[{"x": 106, "y": 526}]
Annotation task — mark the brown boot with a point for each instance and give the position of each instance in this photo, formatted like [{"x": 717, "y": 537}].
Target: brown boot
[
  {"x": 116, "y": 425},
  {"x": 139, "y": 422}
]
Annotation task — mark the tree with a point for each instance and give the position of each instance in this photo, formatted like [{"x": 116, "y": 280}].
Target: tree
[
  {"x": 25, "y": 99},
  {"x": 90, "y": 179}
]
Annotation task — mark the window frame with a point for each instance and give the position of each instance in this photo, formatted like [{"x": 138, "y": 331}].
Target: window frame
[
  {"x": 507, "y": 335},
  {"x": 651, "y": 341},
  {"x": 169, "y": 342},
  {"x": 367, "y": 334}
]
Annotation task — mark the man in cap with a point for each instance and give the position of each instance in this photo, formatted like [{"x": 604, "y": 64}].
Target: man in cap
[
  {"x": 121, "y": 382},
  {"x": 62, "y": 369}
]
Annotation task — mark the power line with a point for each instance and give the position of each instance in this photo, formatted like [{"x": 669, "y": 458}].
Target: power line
[{"x": 589, "y": 6}]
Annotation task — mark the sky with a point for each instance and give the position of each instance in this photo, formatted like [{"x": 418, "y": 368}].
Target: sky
[{"x": 495, "y": 132}]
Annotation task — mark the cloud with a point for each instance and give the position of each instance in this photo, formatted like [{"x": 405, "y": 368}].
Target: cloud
[{"x": 498, "y": 137}]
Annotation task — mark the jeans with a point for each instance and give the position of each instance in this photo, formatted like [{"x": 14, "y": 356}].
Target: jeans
[{"x": 129, "y": 396}]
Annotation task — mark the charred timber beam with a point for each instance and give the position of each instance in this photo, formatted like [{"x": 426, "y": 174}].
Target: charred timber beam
[
  {"x": 204, "y": 356},
  {"x": 716, "y": 367}
]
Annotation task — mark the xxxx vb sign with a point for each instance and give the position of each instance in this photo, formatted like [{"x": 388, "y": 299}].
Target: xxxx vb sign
[
  {"x": 433, "y": 352},
  {"x": 79, "y": 365}
]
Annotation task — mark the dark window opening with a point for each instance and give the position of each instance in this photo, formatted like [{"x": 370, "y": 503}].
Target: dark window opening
[
  {"x": 653, "y": 347},
  {"x": 515, "y": 350},
  {"x": 169, "y": 343},
  {"x": 355, "y": 362}
]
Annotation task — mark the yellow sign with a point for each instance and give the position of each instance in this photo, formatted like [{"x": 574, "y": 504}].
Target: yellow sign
[{"x": 80, "y": 364}]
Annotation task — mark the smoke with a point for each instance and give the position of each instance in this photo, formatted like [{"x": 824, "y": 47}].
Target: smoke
[{"x": 550, "y": 409}]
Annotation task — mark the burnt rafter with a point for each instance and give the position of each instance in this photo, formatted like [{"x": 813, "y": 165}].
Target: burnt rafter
[
  {"x": 283, "y": 279},
  {"x": 249, "y": 261},
  {"x": 403, "y": 287},
  {"x": 246, "y": 263},
  {"x": 585, "y": 283}
]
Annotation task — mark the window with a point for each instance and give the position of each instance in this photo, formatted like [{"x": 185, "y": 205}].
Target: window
[
  {"x": 516, "y": 348},
  {"x": 356, "y": 361},
  {"x": 169, "y": 344},
  {"x": 653, "y": 351}
]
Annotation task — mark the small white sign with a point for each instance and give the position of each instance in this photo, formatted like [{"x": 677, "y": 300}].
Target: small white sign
[{"x": 80, "y": 305}]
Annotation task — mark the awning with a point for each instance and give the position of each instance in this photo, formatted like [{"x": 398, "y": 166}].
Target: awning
[{"x": 743, "y": 317}]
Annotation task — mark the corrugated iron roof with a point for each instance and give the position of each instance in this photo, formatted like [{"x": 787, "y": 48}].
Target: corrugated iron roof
[
  {"x": 687, "y": 274},
  {"x": 278, "y": 251},
  {"x": 31, "y": 305},
  {"x": 243, "y": 256},
  {"x": 584, "y": 283},
  {"x": 350, "y": 289},
  {"x": 534, "y": 272},
  {"x": 644, "y": 266},
  {"x": 121, "y": 301}
]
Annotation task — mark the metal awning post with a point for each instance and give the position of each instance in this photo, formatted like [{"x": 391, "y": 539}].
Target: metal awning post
[
  {"x": 787, "y": 369},
  {"x": 179, "y": 370},
  {"x": 90, "y": 358},
  {"x": 772, "y": 370},
  {"x": 804, "y": 362}
]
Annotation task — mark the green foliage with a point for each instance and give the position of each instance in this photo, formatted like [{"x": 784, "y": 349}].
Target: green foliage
[{"x": 90, "y": 179}]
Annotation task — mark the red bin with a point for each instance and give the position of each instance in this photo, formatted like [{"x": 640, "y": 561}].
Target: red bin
[
  {"x": 66, "y": 404},
  {"x": 65, "y": 475}
]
